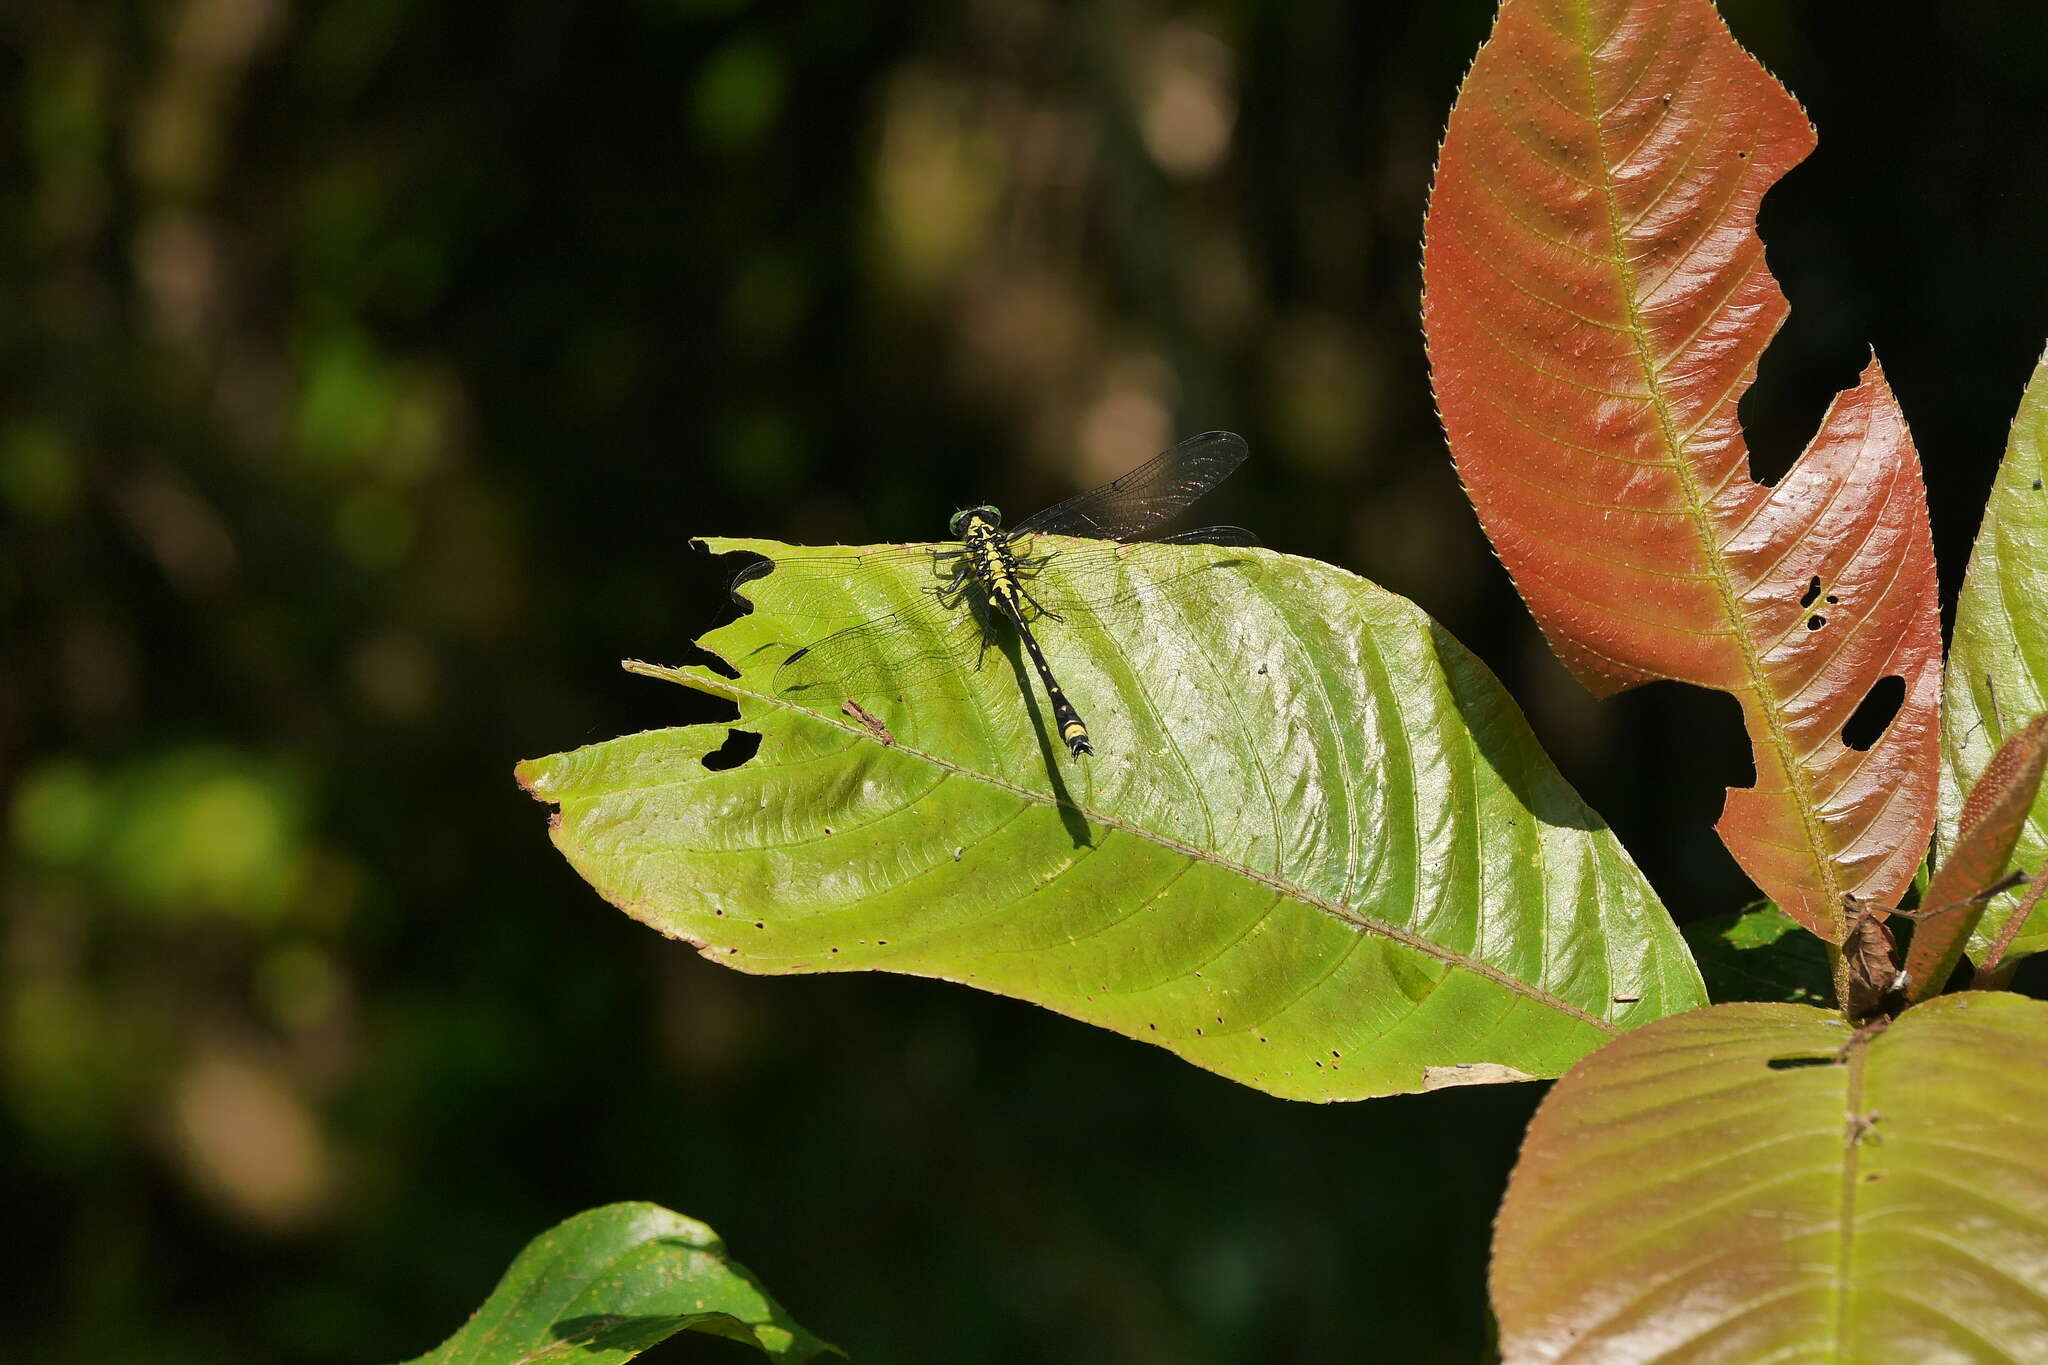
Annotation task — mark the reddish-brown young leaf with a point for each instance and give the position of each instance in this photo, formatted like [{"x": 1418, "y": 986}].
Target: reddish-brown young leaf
[
  {"x": 1596, "y": 300},
  {"x": 1993, "y": 815}
]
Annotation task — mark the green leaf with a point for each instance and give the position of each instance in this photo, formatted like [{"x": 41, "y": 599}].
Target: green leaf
[
  {"x": 1317, "y": 849},
  {"x": 1760, "y": 953},
  {"x": 612, "y": 1282},
  {"x": 1998, "y": 657},
  {"x": 1757, "y": 1182}
]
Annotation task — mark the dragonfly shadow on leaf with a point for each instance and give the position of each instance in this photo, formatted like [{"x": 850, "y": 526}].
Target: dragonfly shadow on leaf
[{"x": 1076, "y": 823}]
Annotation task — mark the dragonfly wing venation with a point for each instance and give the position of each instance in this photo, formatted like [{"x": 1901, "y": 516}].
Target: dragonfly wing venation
[
  {"x": 1149, "y": 496},
  {"x": 1092, "y": 577},
  {"x": 934, "y": 636},
  {"x": 821, "y": 585},
  {"x": 1209, "y": 535}
]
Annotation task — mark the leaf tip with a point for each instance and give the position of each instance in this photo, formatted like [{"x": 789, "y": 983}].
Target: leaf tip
[{"x": 535, "y": 777}]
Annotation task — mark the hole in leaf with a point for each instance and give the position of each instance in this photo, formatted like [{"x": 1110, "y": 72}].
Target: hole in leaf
[
  {"x": 1816, "y": 622},
  {"x": 1875, "y": 712},
  {"x": 739, "y": 746},
  {"x": 703, "y": 657},
  {"x": 1812, "y": 591},
  {"x": 1794, "y": 1063}
]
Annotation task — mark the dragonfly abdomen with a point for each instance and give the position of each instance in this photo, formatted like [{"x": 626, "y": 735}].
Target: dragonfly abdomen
[{"x": 994, "y": 566}]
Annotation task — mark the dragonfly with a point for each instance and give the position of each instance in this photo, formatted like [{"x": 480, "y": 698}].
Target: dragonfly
[{"x": 989, "y": 578}]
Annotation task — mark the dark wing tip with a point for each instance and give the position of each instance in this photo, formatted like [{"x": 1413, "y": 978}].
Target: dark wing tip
[{"x": 759, "y": 569}]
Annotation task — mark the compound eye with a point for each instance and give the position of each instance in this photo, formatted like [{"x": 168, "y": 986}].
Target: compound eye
[{"x": 957, "y": 527}]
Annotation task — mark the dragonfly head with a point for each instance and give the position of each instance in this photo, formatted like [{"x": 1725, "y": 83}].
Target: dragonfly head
[{"x": 957, "y": 527}]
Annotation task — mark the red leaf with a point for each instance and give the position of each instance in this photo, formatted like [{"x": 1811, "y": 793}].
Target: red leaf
[{"x": 1596, "y": 299}]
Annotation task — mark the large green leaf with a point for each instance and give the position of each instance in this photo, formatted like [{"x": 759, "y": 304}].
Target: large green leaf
[
  {"x": 1998, "y": 659},
  {"x": 611, "y": 1282},
  {"x": 1317, "y": 849},
  {"x": 1756, "y": 1182}
]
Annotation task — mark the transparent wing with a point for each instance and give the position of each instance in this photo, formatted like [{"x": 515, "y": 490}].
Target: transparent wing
[
  {"x": 1208, "y": 535},
  {"x": 936, "y": 636},
  {"x": 946, "y": 627},
  {"x": 831, "y": 576},
  {"x": 1147, "y": 498}
]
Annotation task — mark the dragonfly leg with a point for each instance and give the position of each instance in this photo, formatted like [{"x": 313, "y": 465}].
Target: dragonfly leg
[{"x": 1037, "y": 605}]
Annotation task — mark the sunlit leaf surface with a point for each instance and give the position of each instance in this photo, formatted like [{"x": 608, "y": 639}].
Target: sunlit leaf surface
[
  {"x": 1316, "y": 850},
  {"x": 1733, "y": 1186},
  {"x": 1596, "y": 302},
  {"x": 1998, "y": 660},
  {"x": 611, "y": 1282}
]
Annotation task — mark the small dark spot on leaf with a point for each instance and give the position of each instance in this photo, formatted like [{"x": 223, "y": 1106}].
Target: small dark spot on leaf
[
  {"x": 881, "y": 943},
  {"x": 2037, "y": 485},
  {"x": 1198, "y": 1031},
  {"x": 835, "y": 950},
  {"x": 1153, "y": 1027},
  {"x": 718, "y": 910},
  {"x": 1335, "y": 1053},
  {"x": 1874, "y": 713},
  {"x": 1812, "y": 591},
  {"x": 1816, "y": 622},
  {"x": 1743, "y": 154},
  {"x": 828, "y": 829},
  {"x": 1833, "y": 600},
  {"x": 760, "y": 924},
  {"x": 1794, "y": 1063},
  {"x": 739, "y": 746},
  {"x": 1219, "y": 1018}
]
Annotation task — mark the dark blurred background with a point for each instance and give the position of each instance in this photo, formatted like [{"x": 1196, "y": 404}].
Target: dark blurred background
[{"x": 367, "y": 367}]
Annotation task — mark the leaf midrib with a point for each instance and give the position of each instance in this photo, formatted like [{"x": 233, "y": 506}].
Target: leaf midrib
[
  {"x": 1796, "y": 783},
  {"x": 717, "y": 686}
]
